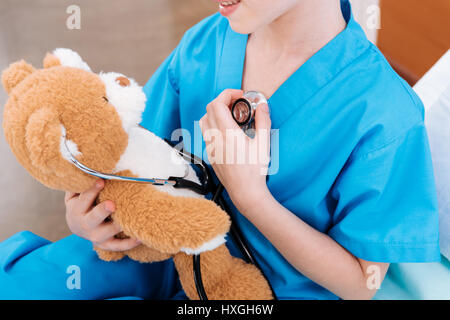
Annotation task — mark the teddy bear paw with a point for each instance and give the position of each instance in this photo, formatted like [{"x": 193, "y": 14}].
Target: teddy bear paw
[{"x": 207, "y": 246}]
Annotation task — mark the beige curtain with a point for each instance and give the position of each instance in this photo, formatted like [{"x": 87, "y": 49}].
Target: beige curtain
[{"x": 132, "y": 39}]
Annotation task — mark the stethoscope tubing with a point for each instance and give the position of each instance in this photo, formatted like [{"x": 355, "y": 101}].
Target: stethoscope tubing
[{"x": 206, "y": 187}]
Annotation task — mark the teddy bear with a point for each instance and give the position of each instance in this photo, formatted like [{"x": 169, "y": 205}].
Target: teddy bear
[{"x": 66, "y": 109}]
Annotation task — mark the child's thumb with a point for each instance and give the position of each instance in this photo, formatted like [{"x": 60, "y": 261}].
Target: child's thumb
[
  {"x": 262, "y": 118},
  {"x": 263, "y": 125}
]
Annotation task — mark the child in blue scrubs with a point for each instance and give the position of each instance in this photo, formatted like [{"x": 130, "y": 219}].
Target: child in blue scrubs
[{"x": 354, "y": 190}]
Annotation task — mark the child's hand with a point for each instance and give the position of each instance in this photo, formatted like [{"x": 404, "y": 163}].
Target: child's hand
[
  {"x": 88, "y": 221},
  {"x": 239, "y": 162}
]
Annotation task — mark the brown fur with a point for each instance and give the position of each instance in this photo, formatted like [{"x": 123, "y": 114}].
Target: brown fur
[
  {"x": 15, "y": 74},
  {"x": 51, "y": 61},
  {"x": 224, "y": 277},
  {"x": 41, "y": 101},
  {"x": 48, "y": 98},
  {"x": 161, "y": 221}
]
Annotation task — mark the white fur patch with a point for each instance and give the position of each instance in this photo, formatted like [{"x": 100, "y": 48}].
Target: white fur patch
[
  {"x": 207, "y": 246},
  {"x": 70, "y": 58},
  {"x": 72, "y": 146},
  {"x": 148, "y": 156},
  {"x": 129, "y": 101}
]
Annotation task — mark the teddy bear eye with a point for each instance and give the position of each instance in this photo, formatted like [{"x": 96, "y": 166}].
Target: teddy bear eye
[{"x": 106, "y": 99}]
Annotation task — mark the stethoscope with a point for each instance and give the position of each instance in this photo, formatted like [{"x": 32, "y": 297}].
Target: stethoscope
[
  {"x": 243, "y": 112},
  {"x": 244, "y": 109}
]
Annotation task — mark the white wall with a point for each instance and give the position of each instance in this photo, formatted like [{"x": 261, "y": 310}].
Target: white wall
[{"x": 366, "y": 16}]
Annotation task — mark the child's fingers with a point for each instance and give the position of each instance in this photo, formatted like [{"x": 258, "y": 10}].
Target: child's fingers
[
  {"x": 114, "y": 244},
  {"x": 70, "y": 195},
  {"x": 98, "y": 214},
  {"x": 104, "y": 232},
  {"x": 262, "y": 117},
  {"x": 263, "y": 123},
  {"x": 218, "y": 110},
  {"x": 229, "y": 95},
  {"x": 87, "y": 198}
]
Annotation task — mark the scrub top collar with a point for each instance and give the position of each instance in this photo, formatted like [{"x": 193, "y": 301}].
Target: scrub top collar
[{"x": 306, "y": 81}]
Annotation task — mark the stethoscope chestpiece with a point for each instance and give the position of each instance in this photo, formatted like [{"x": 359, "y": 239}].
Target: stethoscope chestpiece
[{"x": 243, "y": 109}]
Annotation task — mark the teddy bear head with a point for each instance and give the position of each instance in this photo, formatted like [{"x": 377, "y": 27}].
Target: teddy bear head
[{"x": 66, "y": 109}]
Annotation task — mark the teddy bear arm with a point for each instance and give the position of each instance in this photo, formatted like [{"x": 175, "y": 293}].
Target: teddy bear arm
[
  {"x": 224, "y": 277},
  {"x": 165, "y": 222}
]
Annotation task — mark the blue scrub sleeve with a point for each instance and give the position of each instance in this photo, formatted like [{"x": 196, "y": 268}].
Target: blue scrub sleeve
[
  {"x": 34, "y": 268},
  {"x": 386, "y": 202},
  {"x": 161, "y": 114}
]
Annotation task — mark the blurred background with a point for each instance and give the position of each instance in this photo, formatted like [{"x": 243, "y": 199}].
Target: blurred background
[{"x": 135, "y": 36}]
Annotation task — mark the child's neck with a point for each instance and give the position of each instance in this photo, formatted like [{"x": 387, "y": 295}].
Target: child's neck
[{"x": 303, "y": 30}]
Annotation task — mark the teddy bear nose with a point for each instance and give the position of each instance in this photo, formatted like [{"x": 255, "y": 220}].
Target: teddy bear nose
[{"x": 124, "y": 82}]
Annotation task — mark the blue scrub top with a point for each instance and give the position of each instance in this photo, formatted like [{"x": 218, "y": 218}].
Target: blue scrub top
[{"x": 354, "y": 159}]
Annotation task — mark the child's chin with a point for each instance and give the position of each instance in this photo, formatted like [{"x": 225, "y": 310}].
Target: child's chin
[{"x": 240, "y": 26}]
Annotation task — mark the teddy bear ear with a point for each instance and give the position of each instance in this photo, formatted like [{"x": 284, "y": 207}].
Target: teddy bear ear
[
  {"x": 15, "y": 74},
  {"x": 51, "y": 61},
  {"x": 65, "y": 57}
]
